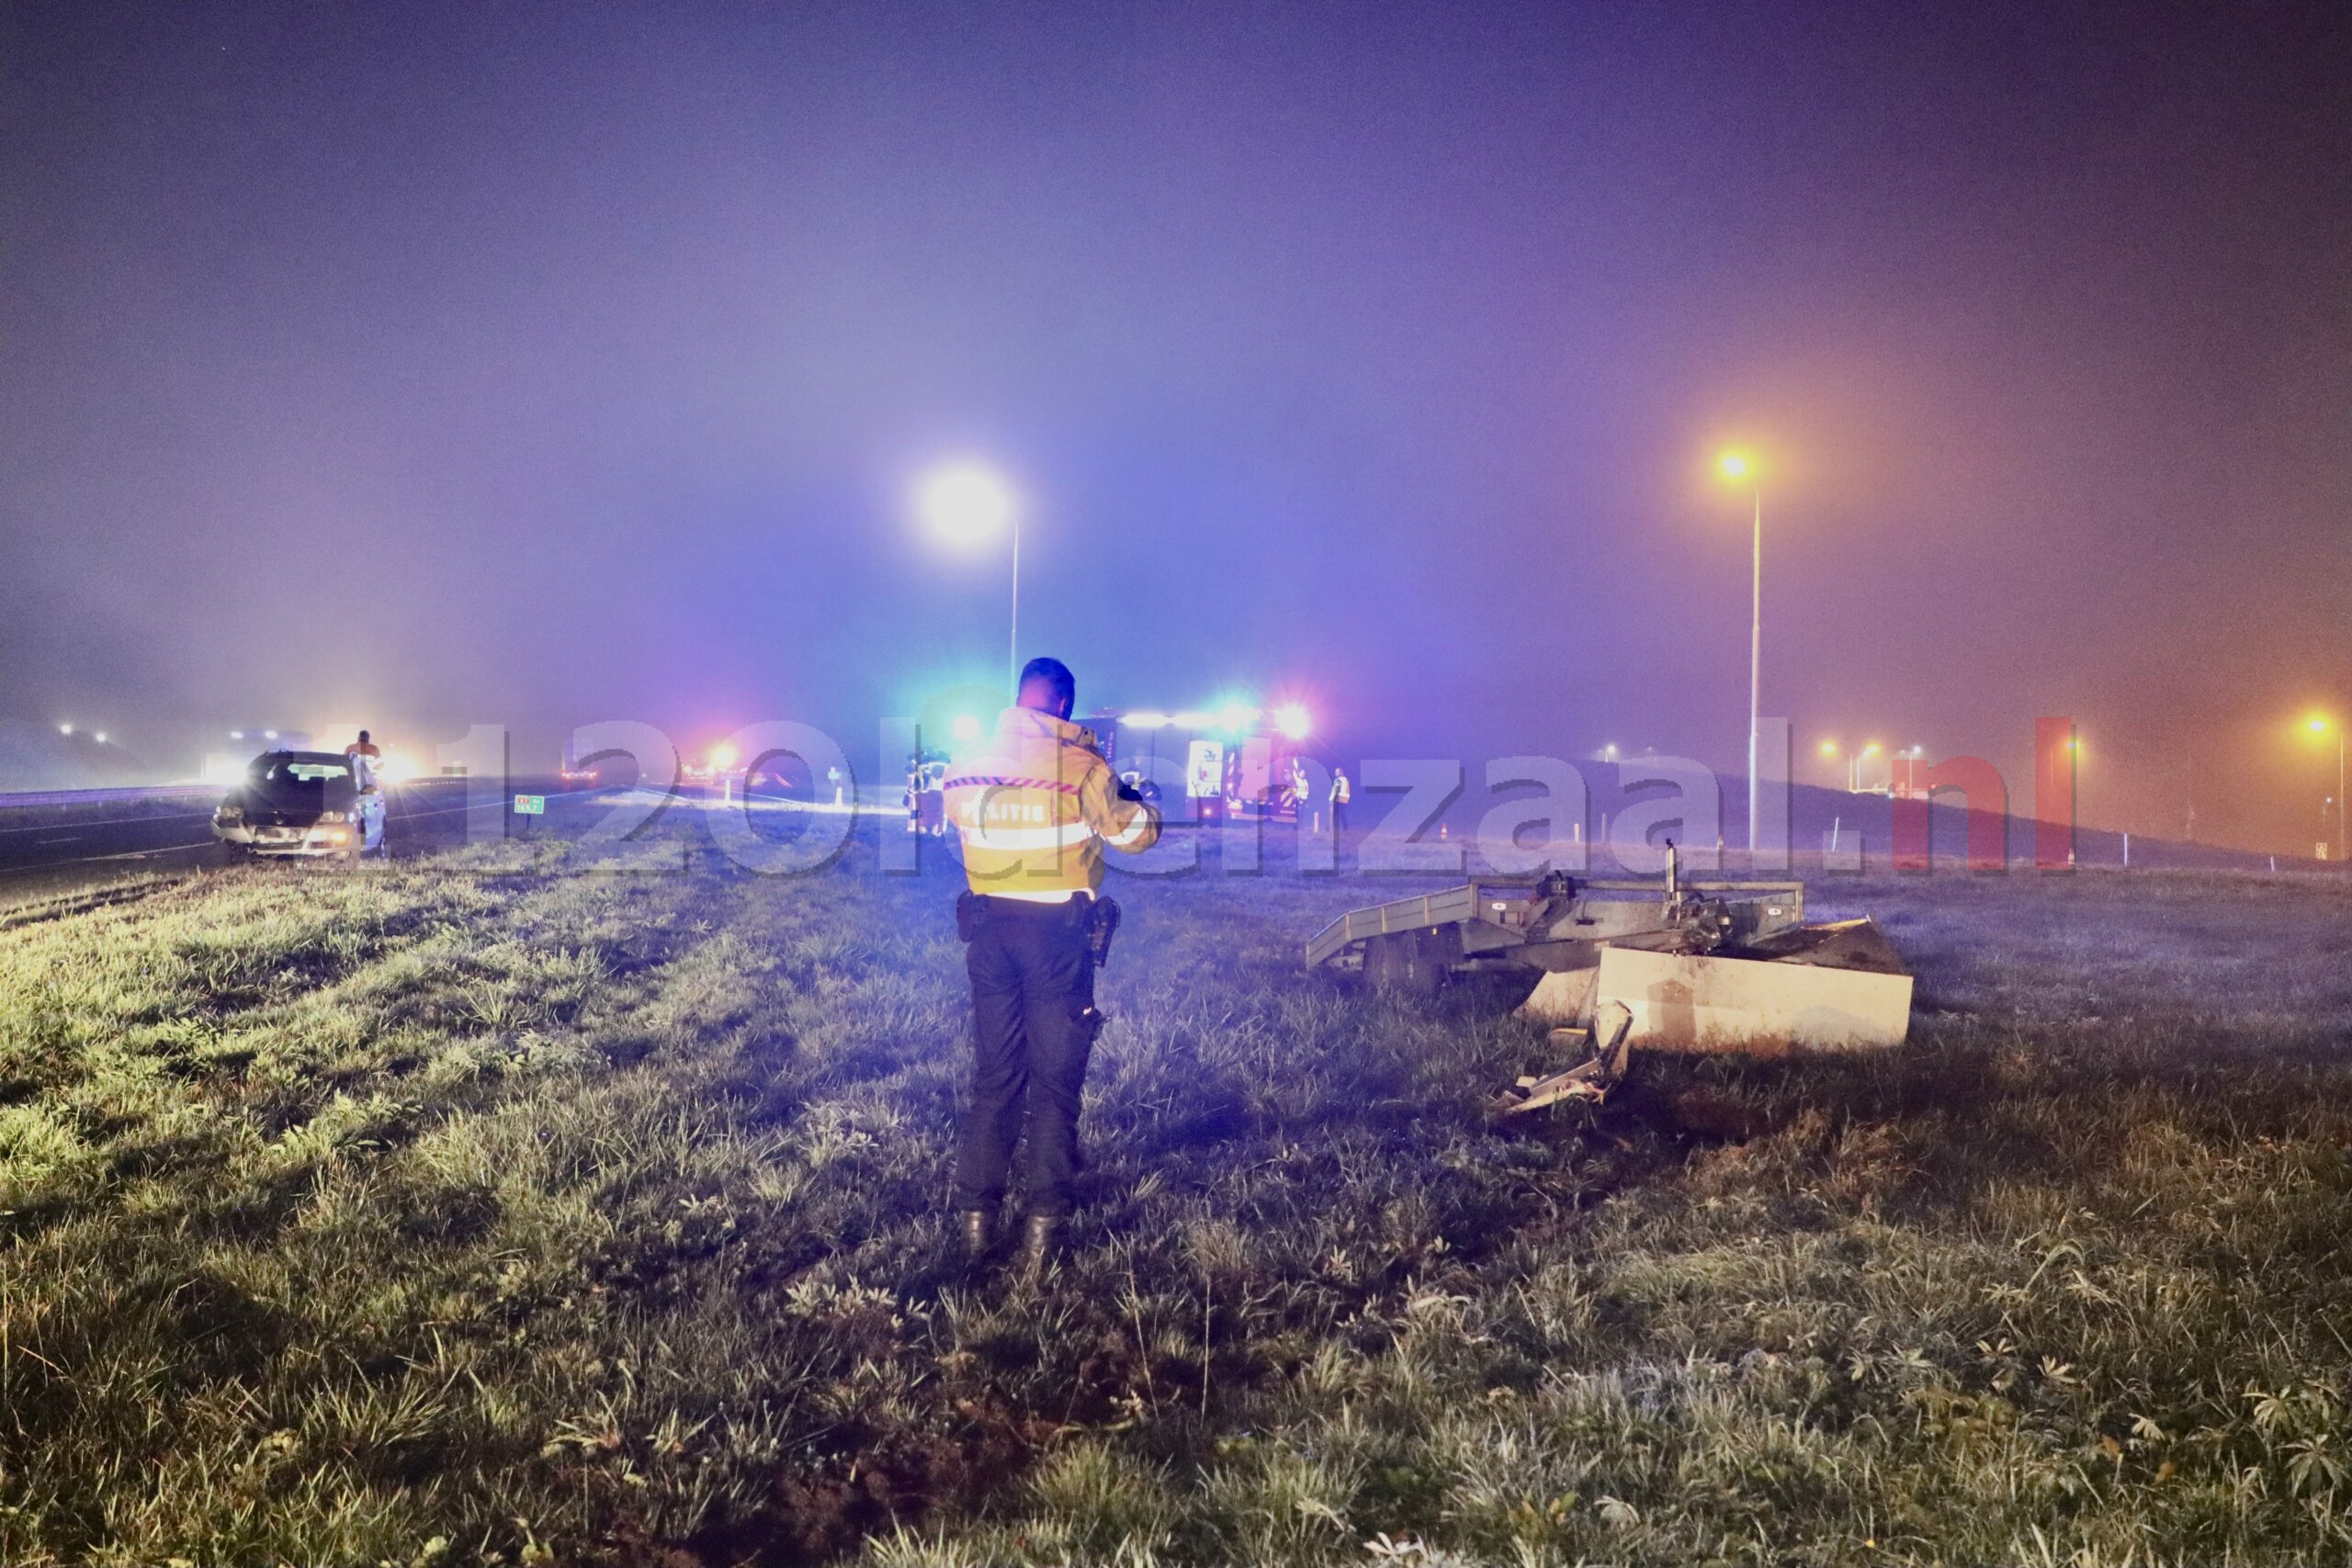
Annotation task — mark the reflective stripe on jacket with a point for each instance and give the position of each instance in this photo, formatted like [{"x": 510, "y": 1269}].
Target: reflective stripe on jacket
[{"x": 1037, "y": 808}]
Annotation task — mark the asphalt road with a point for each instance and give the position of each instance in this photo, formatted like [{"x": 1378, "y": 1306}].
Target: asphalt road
[
  {"x": 49, "y": 853},
  {"x": 50, "y": 849}
]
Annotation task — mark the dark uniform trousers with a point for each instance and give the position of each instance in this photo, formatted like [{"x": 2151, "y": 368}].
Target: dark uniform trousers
[{"x": 1034, "y": 1026}]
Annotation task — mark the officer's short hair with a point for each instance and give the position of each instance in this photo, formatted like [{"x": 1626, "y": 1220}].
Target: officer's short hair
[
  {"x": 363, "y": 735},
  {"x": 1056, "y": 677}
]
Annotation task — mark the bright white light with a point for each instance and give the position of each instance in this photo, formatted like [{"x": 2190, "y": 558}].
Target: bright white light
[
  {"x": 964, "y": 502},
  {"x": 1293, "y": 721},
  {"x": 269, "y": 734},
  {"x": 723, "y": 757},
  {"x": 100, "y": 737},
  {"x": 236, "y": 735},
  {"x": 965, "y": 728},
  {"x": 394, "y": 769},
  {"x": 1145, "y": 720},
  {"x": 1192, "y": 719},
  {"x": 1609, "y": 752},
  {"x": 1237, "y": 715},
  {"x": 64, "y": 729}
]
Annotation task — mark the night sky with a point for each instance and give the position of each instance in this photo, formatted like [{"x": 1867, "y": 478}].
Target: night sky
[{"x": 540, "y": 364}]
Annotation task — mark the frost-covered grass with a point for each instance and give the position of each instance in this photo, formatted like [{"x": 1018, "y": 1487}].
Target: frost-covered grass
[{"x": 447, "y": 1212}]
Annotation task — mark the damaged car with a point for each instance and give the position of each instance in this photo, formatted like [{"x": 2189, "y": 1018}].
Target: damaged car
[{"x": 305, "y": 805}]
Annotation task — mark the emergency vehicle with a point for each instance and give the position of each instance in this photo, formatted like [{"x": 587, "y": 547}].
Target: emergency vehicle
[{"x": 1238, "y": 760}]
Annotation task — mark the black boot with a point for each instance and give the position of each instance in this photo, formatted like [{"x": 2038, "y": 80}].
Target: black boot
[
  {"x": 1042, "y": 1238},
  {"x": 978, "y": 1228}
]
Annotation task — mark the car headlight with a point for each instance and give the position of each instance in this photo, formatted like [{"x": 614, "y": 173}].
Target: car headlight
[{"x": 227, "y": 814}]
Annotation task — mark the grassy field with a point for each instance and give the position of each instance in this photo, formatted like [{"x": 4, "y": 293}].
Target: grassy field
[{"x": 449, "y": 1212}]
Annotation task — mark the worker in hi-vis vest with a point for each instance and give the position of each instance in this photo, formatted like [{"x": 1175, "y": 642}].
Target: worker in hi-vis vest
[
  {"x": 1034, "y": 808},
  {"x": 1340, "y": 794}
]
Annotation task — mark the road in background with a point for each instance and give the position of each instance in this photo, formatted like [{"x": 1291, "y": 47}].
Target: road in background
[
  {"x": 70, "y": 842},
  {"x": 64, "y": 845}
]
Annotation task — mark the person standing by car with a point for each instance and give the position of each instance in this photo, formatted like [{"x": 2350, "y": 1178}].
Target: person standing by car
[
  {"x": 1035, "y": 809},
  {"x": 365, "y": 757}
]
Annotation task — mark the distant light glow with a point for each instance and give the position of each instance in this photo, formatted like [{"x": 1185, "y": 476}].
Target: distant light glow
[
  {"x": 1870, "y": 750},
  {"x": 1236, "y": 715},
  {"x": 64, "y": 729},
  {"x": 965, "y": 502},
  {"x": 2317, "y": 724},
  {"x": 236, "y": 735},
  {"x": 1293, "y": 720},
  {"x": 100, "y": 737},
  {"x": 269, "y": 734},
  {"x": 723, "y": 758},
  {"x": 1192, "y": 719},
  {"x": 1146, "y": 720},
  {"x": 1734, "y": 464},
  {"x": 395, "y": 769},
  {"x": 1609, "y": 752},
  {"x": 1829, "y": 748},
  {"x": 965, "y": 728}
]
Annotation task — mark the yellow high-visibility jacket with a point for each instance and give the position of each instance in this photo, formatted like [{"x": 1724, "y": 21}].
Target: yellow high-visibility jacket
[{"x": 1035, "y": 810}]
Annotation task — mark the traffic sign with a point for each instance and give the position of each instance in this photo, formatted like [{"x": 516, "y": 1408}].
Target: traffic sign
[{"x": 530, "y": 806}]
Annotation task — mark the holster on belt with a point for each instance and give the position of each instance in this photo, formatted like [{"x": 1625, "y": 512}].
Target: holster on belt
[{"x": 1101, "y": 925}]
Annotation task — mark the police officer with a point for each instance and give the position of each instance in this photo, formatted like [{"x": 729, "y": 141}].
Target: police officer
[{"x": 1035, "y": 810}]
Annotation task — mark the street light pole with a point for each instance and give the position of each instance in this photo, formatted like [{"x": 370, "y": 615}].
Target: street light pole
[
  {"x": 1754, "y": 669},
  {"x": 2319, "y": 724},
  {"x": 2339, "y": 793},
  {"x": 966, "y": 502},
  {"x": 1737, "y": 466}
]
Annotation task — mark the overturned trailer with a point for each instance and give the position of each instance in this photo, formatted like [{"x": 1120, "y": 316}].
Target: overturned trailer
[{"x": 1688, "y": 964}]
